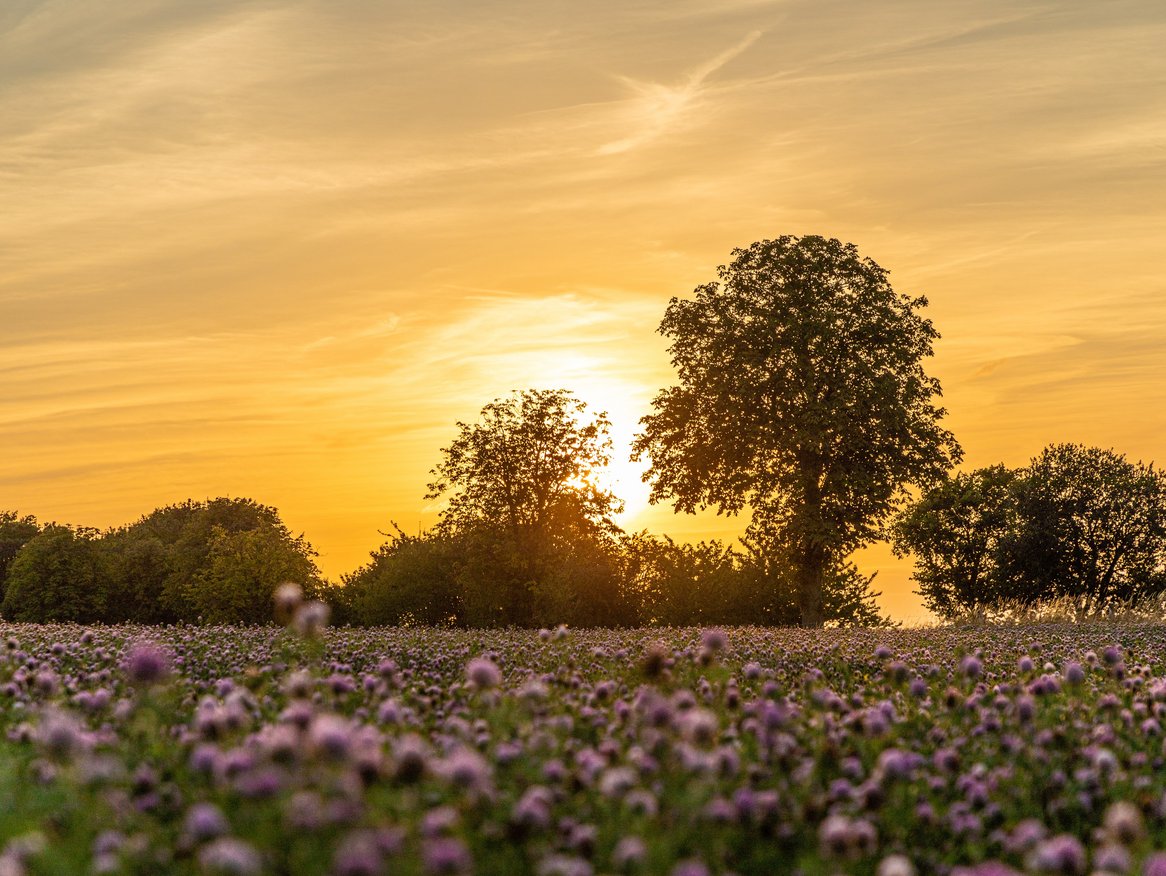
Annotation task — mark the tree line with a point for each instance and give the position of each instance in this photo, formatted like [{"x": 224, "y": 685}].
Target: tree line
[
  {"x": 1077, "y": 522},
  {"x": 216, "y": 561},
  {"x": 801, "y": 398}
]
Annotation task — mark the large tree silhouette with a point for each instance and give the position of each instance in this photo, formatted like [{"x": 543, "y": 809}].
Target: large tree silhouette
[{"x": 801, "y": 396}]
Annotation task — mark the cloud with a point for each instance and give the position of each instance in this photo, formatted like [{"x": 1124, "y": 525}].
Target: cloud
[{"x": 657, "y": 107}]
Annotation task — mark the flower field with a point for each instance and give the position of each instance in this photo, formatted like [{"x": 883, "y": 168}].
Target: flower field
[{"x": 1032, "y": 749}]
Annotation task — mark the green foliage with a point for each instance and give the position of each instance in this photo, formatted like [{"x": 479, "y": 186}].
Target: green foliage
[
  {"x": 1093, "y": 525},
  {"x": 57, "y": 575},
  {"x": 802, "y": 396},
  {"x": 242, "y": 571},
  {"x": 217, "y": 560},
  {"x": 167, "y": 554},
  {"x": 681, "y": 584},
  {"x": 15, "y": 532},
  {"x": 1078, "y": 523},
  {"x": 411, "y": 579},
  {"x": 955, "y": 533}
]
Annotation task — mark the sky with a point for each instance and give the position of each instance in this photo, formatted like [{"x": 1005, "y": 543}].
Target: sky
[{"x": 277, "y": 249}]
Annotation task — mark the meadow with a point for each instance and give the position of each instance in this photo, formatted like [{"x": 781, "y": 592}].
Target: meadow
[{"x": 979, "y": 750}]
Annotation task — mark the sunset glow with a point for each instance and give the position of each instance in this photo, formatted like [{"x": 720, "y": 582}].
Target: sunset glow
[{"x": 279, "y": 250}]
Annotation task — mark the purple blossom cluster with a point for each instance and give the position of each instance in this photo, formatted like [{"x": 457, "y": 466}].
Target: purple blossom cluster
[{"x": 677, "y": 751}]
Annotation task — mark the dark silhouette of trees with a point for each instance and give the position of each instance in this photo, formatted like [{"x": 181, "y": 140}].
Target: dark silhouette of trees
[
  {"x": 634, "y": 579},
  {"x": 523, "y": 503},
  {"x": 1077, "y": 522},
  {"x": 528, "y": 463},
  {"x": 411, "y": 579},
  {"x": 956, "y": 533},
  {"x": 1092, "y": 526},
  {"x": 801, "y": 395}
]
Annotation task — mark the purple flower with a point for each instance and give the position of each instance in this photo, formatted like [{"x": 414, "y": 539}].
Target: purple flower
[
  {"x": 1123, "y": 823},
  {"x": 714, "y": 640},
  {"x": 311, "y": 618},
  {"x": 145, "y": 664},
  {"x": 630, "y": 852},
  {"x": 483, "y": 673},
  {"x": 1060, "y": 854},
  {"x": 445, "y": 855},
  {"x": 287, "y": 597},
  {"x": 359, "y": 854},
  {"x": 204, "y": 821},
  {"x": 467, "y": 769},
  {"x": 230, "y": 856},
  {"x": 895, "y": 865},
  {"x": 1112, "y": 859}
]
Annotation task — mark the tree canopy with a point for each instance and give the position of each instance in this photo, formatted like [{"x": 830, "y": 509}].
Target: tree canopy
[
  {"x": 801, "y": 396},
  {"x": 16, "y": 530},
  {"x": 1078, "y": 522},
  {"x": 522, "y": 496},
  {"x": 218, "y": 560},
  {"x": 57, "y": 575},
  {"x": 529, "y": 459}
]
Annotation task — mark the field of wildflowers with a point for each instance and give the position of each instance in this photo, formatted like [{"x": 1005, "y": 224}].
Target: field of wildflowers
[{"x": 246, "y": 750}]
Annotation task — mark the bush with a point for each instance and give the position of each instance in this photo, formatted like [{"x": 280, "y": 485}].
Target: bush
[{"x": 58, "y": 575}]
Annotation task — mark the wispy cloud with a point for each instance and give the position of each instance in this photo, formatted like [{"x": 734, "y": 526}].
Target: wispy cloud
[{"x": 656, "y": 107}]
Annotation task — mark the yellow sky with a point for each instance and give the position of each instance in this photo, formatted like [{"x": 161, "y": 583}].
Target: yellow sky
[{"x": 275, "y": 249}]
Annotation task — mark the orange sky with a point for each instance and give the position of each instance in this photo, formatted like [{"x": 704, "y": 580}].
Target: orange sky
[{"x": 276, "y": 249}]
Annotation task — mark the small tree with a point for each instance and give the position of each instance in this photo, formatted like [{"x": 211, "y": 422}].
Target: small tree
[
  {"x": 1092, "y": 526},
  {"x": 15, "y": 532},
  {"x": 801, "y": 395},
  {"x": 956, "y": 532},
  {"x": 520, "y": 484},
  {"x": 1077, "y": 522},
  {"x": 58, "y": 575}
]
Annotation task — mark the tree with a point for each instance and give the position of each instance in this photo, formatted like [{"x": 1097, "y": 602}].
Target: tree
[
  {"x": 1092, "y": 525},
  {"x": 242, "y": 571},
  {"x": 58, "y": 575},
  {"x": 520, "y": 483},
  {"x": 1077, "y": 522},
  {"x": 173, "y": 563},
  {"x": 802, "y": 396},
  {"x": 410, "y": 579},
  {"x": 770, "y": 566},
  {"x": 15, "y": 532},
  {"x": 688, "y": 584},
  {"x": 956, "y": 532}
]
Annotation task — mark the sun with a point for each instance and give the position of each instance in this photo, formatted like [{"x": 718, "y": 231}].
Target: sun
[
  {"x": 624, "y": 479},
  {"x": 623, "y": 476},
  {"x": 592, "y": 381}
]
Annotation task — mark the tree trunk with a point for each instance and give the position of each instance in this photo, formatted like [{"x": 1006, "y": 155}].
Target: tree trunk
[{"x": 810, "y": 576}]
